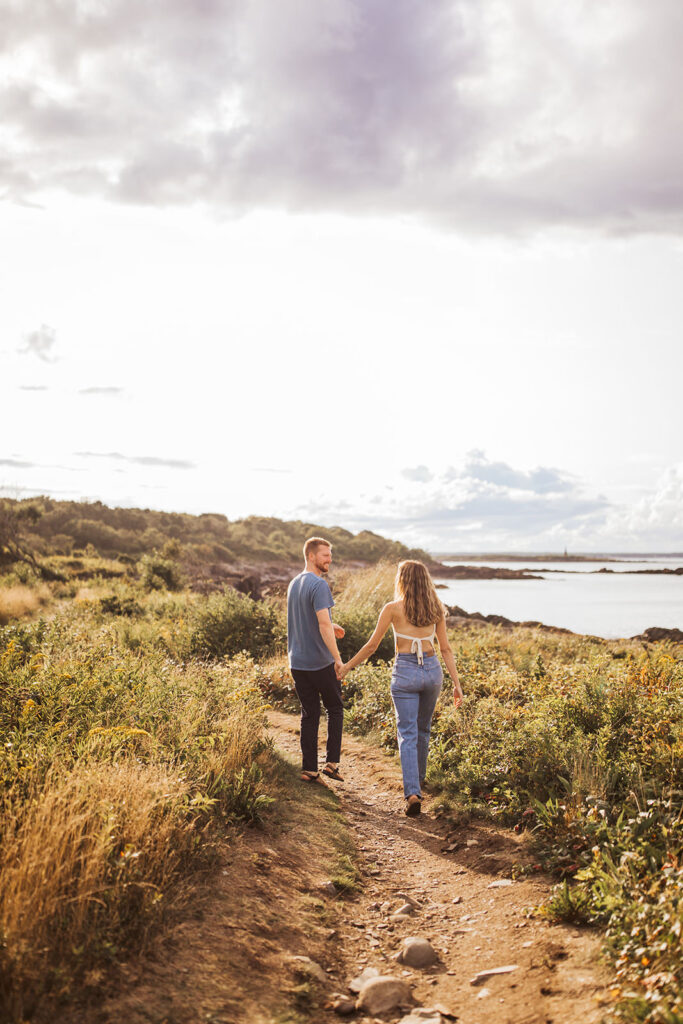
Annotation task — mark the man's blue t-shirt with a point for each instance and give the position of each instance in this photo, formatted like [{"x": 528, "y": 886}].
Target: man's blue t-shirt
[{"x": 306, "y": 595}]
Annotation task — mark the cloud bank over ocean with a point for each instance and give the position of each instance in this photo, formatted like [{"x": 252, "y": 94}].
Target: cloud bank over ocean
[
  {"x": 493, "y": 116},
  {"x": 483, "y": 505}
]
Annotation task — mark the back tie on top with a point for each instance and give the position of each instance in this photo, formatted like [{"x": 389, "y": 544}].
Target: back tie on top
[{"x": 416, "y": 646}]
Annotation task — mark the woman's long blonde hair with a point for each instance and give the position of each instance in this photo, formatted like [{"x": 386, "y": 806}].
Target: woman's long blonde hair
[{"x": 414, "y": 587}]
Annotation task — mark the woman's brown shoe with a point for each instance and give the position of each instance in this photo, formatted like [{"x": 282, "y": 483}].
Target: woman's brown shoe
[{"x": 413, "y": 806}]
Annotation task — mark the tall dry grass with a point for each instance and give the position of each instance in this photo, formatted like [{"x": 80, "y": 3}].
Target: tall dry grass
[
  {"x": 19, "y": 601},
  {"x": 85, "y": 865},
  {"x": 366, "y": 590}
]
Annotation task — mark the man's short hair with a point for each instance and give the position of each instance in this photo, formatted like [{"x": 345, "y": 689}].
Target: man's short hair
[{"x": 312, "y": 545}]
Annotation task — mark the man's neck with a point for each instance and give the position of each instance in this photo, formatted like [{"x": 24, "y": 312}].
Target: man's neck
[{"x": 313, "y": 568}]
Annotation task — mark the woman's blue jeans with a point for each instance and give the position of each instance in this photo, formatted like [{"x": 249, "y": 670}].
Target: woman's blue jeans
[{"x": 415, "y": 690}]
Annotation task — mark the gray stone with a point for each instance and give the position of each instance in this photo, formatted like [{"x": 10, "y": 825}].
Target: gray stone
[
  {"x": 500, "y": 884},
  {"x": 417, "y": 952},
  {"x": 304, "y": 965},
  {"x": 357, "y": 983},
  {"x": 383, "y": 993},
  {"x": 328, "y": 889}
]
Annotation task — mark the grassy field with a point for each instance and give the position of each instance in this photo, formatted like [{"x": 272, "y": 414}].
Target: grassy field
[{"x": 132, "y": 727}]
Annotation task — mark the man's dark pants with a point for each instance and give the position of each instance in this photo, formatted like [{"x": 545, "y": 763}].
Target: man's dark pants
[{"x": 310, "y": 688}]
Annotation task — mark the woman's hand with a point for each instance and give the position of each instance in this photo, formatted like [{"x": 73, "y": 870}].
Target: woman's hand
[{"x": 458, "y": 695}]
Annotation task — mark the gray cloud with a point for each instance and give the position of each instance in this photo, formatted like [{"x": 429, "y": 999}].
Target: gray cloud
[
  {"x": 140, "y": 460},
  {"x": 486, "y": 502},
  {"x": 484, "y": 115},
  {"x": 40, "y": 342},
  {"x": 33, "y": 387},
  {"x": 540, "y": 481},
  {"x": 105, "y": 390},
  {"x": 17, "y": 464}
]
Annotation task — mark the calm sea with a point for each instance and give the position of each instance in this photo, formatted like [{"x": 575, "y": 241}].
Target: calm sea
[{"x": 608, "y": 605}]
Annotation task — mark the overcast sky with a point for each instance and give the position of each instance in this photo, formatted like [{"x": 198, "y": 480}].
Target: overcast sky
[{"x": 412, "y": 267}]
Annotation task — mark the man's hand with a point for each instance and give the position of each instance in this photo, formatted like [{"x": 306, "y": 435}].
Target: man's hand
[
  {"x": 339, "y": 631},
  {"x": 339, "y": 670},
  {"x": 457, "y": 696}
]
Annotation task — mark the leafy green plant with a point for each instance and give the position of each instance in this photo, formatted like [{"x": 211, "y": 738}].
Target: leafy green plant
[
  {"x": 157, "y": 572},
  {"x": 225, "y": 624}
]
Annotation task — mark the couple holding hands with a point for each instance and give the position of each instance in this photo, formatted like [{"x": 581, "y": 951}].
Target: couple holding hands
[{"x": 418, "y": 620}]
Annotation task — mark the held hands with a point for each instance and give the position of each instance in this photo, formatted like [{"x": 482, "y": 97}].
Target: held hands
[{"x": 342, "y": 670}]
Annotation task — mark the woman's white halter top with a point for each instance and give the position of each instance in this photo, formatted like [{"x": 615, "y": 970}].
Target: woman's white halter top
[{"x": 416, "y": 646}]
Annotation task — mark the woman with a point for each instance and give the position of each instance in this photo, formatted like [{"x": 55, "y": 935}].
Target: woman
[{"x": 418, "y": 619}]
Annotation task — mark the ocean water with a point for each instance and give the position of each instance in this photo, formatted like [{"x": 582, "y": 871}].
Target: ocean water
[{"x": 608, "y": 605}]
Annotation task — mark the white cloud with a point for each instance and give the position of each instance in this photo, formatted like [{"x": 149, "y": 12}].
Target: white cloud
[{"x": 657, "y": 517}]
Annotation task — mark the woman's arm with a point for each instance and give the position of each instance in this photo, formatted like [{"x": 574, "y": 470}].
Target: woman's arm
[
  {"x": 447, "y": 655},
  {"x": 383, "y": 623}
]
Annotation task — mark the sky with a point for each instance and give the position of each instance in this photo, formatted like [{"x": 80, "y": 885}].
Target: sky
[{"x": 388, "y": 265}]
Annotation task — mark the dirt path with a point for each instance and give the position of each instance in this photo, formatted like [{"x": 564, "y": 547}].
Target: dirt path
[
  {"x": 228, "y": 956},
  {"x": 473, "y": 921}
]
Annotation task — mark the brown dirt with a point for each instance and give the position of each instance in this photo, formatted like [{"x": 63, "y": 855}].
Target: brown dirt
[{"x": 228, "y": 963}]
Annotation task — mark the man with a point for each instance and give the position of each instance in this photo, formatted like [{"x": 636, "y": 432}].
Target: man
[{"x": 314, "y": 659}]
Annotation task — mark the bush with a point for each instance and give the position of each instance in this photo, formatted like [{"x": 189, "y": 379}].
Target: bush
[
  {"x": 228, "y": 623},
  {"x": 159, "y": 573},
  {"x": 359, "y": 625}
]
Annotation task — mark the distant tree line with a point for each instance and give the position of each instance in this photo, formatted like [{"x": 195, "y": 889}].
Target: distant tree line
[{"x": 44, "y": 526}]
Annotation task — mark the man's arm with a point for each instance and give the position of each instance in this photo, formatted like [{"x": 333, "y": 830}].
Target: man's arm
[{"x": 327, "y": 633}]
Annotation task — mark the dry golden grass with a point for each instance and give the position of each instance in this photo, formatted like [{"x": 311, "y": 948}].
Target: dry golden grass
[
  {"x": 94, "y": 853},
  {"x": 18, "y": 601},
  {"x": 84, "y": 863},
  {"x": 367, "y": 590}
]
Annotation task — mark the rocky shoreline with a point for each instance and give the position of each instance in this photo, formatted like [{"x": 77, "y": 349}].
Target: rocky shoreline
[{"x": 458, "y": 617}]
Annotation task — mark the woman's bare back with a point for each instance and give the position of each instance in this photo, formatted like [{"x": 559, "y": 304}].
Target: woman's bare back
[{"x": 401, "y": 625}]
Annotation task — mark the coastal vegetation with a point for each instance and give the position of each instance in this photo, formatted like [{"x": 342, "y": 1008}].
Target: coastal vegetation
[
  {"x": 132, "y": 714},
  {"x": 44, "y": 527}
]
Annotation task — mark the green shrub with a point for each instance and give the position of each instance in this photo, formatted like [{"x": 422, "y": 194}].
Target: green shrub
[
  {"x": 225, "y": 624},
  {"x": 359, "y": 625},
  {"x": 157, "y": 573},
  {"x": 115, "y": 605}
]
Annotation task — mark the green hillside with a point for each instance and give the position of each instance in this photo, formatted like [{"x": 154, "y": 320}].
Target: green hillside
[{"x": 51, "y": 527}]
